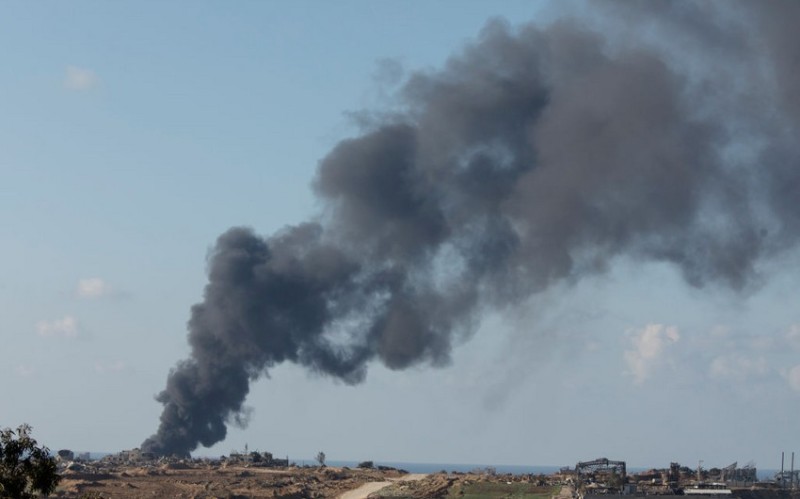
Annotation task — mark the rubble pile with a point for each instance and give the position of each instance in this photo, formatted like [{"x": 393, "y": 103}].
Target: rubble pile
[
  {"x": 436, "y": 485},
  {"x": 443, "y": 484}
]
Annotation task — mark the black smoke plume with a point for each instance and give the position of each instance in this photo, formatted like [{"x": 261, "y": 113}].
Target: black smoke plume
[{"x": 536, "y": 155}]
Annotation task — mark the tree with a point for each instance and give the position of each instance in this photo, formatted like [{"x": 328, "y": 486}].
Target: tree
[
  {"x": 26, "y": 469},
  {"x": 321, "y": 458}
]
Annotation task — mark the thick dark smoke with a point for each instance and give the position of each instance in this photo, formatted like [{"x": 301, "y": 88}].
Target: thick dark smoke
[{"x": 536, "y": 155}]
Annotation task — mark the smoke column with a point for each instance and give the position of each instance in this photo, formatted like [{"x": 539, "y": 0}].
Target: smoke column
[{"x": 535, "y": 155}]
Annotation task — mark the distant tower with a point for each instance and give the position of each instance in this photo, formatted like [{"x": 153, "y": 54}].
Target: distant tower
[{"x": 674, "y": 474}]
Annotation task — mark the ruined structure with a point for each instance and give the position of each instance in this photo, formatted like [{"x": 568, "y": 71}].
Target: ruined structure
[{"x": 601, "y": 475}]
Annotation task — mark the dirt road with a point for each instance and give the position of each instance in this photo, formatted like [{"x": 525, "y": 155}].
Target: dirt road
[
  {"x": 368, "y": 488},
  {"x": 566, "y": 492}
]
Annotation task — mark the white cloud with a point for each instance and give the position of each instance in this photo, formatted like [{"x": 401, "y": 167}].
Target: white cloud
[
  {"x": 592, "y": 346},
  {"x": 110, "y": 367},
  {"x": 650, "y": 345},
  {"x": 720, "y": 331},
  {"x": 93, "y": 287},
  {"x": 793, "y": 377},
  {"x": 793, "y": 336},
  {"x": 24, "y": 371},
  {"x": 66, "y": 327},
  {"x": 738, "y": 367},
  {"x": 79, "y": 78}
]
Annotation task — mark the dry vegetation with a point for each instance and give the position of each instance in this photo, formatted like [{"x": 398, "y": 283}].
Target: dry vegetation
[{"x": 181, "y": 481}]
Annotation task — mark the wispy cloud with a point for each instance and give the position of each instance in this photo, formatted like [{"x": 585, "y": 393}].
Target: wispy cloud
[
  {"x": 66, "y": 327},
  {"x": 793, "y": 336},
  {"x": 24, "y": 371},
  {"x": 738, "y": 366},
  {"x": 93, "y": 287},
  {"x": 110, "y": 367},
  {"x": 738, "y": 354},
  {"x": 80, "y": 79},
  {"x": 793, "y": 377},
  {"x": 650, "y": 346}
]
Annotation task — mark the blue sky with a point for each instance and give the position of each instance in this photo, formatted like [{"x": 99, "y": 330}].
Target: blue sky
[{"x": 133, "y": 133}]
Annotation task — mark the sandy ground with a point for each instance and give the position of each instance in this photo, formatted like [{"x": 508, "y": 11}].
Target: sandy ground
[
  {"x": 200, "y": 481},
  {"x": 365, "y": 490},
  {"x": 368, "y": 488},
  {"x": 566, "y": 492}
]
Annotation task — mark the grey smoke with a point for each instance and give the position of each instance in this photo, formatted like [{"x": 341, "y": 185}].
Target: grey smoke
[{"x": 536, "y": 155}]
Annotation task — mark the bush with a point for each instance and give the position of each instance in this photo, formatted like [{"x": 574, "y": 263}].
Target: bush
[
  {"x": 366, "y": 465},
  {"x": 26, "y": 469}
]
